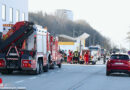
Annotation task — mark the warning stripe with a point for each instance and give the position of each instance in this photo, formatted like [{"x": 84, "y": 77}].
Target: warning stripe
[{"x": 8, "y": 25}]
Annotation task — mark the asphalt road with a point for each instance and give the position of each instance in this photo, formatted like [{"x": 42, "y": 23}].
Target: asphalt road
[{"x": 70, "y": 77}]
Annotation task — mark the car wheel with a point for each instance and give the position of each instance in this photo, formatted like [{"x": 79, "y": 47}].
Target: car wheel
[
  {"x": 108, "y": 73},
  {"x": 129, "y": 74}
]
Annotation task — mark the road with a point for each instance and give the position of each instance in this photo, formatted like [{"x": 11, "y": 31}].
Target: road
[{"x": 70, "y": 77}]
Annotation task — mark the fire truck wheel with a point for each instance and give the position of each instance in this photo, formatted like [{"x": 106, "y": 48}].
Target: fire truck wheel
[
  {"x": 37, "y": 71},
  {"x": 46, "y": 68},
  {"x": 40, "y": 67}
]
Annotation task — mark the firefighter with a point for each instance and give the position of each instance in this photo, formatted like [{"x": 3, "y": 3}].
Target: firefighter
[
  {"x": 86, "y": 57},
  {"x": 65, "y": 56},
  {"x": 104, "y": 58},
  {"x": 76, "y": 57},
  {"x": 69, "y": 60}
]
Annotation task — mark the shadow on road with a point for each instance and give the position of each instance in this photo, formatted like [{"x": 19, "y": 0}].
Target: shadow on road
[
  {"x": 21, "y": 73},
  {"x": 119, "y": 75},
  {"x": 17, "y": 73}
]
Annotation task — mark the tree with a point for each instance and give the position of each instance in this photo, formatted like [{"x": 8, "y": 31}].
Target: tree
[{"x": 57, "y": 25}]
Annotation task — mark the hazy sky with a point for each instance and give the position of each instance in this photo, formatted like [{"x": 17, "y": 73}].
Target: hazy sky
[{"x": 110, "y": 17}]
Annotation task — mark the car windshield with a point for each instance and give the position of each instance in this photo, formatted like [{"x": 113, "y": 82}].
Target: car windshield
[{"x": 122, "y": 57}]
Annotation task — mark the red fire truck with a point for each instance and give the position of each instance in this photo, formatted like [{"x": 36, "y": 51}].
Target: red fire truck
[{"x": 28, "y": 47}]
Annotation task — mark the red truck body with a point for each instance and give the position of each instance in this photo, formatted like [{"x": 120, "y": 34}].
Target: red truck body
[{"x": 30, "y": 48}]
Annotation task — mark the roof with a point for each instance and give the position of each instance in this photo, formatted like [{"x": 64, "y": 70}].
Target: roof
[
  {"x": 83, "y": 36},
  {"x": 66, "y": 38}
]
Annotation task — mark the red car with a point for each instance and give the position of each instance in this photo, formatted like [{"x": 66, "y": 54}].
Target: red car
[{"x": 118, "y": 63}]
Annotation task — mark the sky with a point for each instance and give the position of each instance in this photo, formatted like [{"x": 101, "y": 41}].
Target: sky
[{"x": 110, "y": 17}]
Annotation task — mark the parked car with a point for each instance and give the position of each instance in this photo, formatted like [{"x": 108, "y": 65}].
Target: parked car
[{"x": 118, "y": 63}]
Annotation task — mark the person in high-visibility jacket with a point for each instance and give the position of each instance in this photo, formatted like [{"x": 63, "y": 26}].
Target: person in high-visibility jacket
[
  {"x": 65, "y": 57},
  {"x": 76, "y": 57}
]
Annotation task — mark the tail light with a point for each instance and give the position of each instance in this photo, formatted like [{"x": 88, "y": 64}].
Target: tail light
[
  {"x": 26, "y": 63},
  {"x": 109, "y": 63},
  {"x": 2, "y": 63}
]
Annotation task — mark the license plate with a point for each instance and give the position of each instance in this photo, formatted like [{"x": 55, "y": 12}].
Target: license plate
[{"x": 119, "y": 63}]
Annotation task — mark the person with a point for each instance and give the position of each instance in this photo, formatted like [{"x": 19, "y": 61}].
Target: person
[
  {"x": 104, "y": 58},
  {"x": 71, "y": 55},
  {"x": 65, "y": 56},
  {"x": 76, "y": 57},
  {"x": 86, "y": 57},
  {"x": 69, "y": 60}
]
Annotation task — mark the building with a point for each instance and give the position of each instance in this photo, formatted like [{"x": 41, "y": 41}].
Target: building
[
  {"x": 67, "y": 43},
  {"x": 12, "y": 11},
  {"x": 74, "y": 44},
  {"x": 63, "y": 13}
]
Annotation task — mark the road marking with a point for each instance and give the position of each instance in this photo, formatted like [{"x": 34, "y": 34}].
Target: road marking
[
  {"x": 19, "y": 81},
  {"x": 33, "y": 78}
]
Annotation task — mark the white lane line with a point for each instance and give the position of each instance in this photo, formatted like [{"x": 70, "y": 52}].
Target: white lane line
[
  {"x": 19, "y": 81},
  {"x": 33, "y": 78}
]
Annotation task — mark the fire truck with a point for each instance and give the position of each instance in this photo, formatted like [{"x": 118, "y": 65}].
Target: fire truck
[
  {"x": 95, "y": 52},
  {"x": 30, "y": 48}
]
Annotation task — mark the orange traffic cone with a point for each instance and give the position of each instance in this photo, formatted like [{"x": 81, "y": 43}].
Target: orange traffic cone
[{"x": 1, "y": 83}]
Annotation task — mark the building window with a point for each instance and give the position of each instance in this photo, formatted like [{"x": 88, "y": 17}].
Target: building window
[
  {"x": 11, "y": 15},
  {"x": 3, "y": 12},
  {"x": 23, "y": 16},
  {"x": 17, "y": 15}
]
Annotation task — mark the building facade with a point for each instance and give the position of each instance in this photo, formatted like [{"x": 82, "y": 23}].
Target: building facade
[
  {"x": 12, "y": 11},
  {"x": 63, "y": 13}
]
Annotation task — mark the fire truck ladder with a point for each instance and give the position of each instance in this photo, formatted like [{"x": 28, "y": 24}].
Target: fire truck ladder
[{"x": 18, "y": 36}]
